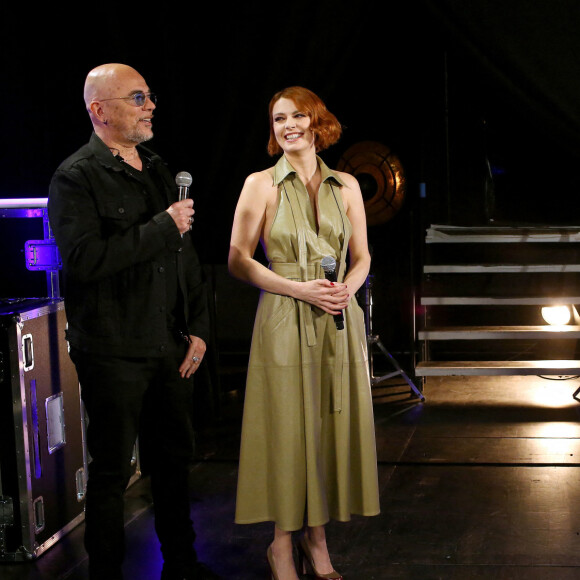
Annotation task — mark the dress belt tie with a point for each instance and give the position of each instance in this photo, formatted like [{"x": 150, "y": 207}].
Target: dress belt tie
[
  {"x": 314, "y": 271},
  {"x": 291, "y": 270}
]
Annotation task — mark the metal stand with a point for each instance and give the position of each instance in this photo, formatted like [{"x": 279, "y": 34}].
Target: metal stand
[
  {"x": 39, "y": 254},
  {"x": 373, "y": 339}
]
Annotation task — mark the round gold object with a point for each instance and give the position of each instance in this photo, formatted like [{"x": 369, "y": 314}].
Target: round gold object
[{"x": 381, "y": 178}]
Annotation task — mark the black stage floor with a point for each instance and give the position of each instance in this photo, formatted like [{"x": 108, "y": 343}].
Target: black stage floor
[{"x": 479, "y": 481}]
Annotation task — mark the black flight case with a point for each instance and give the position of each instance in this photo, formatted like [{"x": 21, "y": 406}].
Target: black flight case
[{"x": 42, "y": 453}]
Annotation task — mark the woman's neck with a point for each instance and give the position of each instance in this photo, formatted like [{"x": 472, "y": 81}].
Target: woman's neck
[{"x": 305, "y": 165}]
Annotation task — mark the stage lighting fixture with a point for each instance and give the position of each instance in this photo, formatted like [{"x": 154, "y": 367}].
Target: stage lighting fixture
[{"x": 556, "y": 315}]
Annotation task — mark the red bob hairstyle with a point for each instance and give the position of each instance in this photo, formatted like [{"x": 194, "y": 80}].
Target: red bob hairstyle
[{"x": 323, "y": 123}]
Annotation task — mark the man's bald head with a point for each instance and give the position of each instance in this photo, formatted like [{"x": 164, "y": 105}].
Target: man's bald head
[
  {"x": 116, "y": 118},
  {"x": 104, "y": 81}
]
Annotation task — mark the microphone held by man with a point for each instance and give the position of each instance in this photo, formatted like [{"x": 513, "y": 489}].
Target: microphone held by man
[
  {"x": 328, "y": 264},
  {"x": 183, "y": 180}
]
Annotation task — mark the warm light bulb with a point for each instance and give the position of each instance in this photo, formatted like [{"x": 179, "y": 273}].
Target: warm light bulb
[{"x": 556, "y": 315}]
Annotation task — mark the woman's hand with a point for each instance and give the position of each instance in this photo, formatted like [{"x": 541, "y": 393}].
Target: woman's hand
[{"x": 331, "y": 297}]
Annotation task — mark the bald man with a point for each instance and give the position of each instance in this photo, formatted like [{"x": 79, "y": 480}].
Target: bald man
[{"x": 138, "y": 320}]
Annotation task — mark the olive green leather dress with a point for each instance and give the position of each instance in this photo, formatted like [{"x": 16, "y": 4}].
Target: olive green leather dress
[{"x": 308, "y": 451}]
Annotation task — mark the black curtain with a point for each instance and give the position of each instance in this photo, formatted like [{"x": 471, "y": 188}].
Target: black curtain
[{"x": 513, "y": 84}]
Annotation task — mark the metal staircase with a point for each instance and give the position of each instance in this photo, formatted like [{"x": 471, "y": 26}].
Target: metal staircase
[{"x": 481, "y": 297}]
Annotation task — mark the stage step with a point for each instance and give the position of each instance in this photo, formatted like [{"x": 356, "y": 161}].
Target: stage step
[
  {"x": 438, "y": 234},
  {"x": 499, "y": 332},
  {"x": 498, "y": 301},
  {"x": 497, "y": 368},
  {"x": 500, "y": 268}
]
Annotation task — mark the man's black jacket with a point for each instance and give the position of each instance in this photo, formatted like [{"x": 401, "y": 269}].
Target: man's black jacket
[{"x": 116, "y": 253}]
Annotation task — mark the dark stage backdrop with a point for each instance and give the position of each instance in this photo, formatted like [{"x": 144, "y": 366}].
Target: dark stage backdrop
[
  {"x": 478, "y": 99},
  {"x": 513, "y": 99}
]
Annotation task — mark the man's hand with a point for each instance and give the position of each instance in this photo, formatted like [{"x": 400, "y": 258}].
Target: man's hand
[
  {"x": 193, "y": 357},
  {"x": 182, "y": 214}
]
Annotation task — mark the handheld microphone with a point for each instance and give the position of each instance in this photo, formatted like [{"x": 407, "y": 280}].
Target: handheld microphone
[
  {"x": 328, "y": 264},
  {"x": 183, "y": 180}
]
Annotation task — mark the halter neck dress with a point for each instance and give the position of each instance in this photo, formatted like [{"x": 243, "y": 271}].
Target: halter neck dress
[{"x": 308, "y": 451}]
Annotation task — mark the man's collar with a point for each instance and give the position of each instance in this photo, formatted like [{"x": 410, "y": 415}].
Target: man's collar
[{"x": 107, "y": 158}]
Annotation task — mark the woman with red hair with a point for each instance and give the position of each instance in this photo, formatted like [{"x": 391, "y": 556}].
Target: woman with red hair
[{"x": 308, "y": 450}]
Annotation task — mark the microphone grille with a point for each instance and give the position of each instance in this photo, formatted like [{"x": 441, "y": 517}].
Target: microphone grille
[
  {"x": 328, "y": 264},
  {"x": 183, "y": 179}
]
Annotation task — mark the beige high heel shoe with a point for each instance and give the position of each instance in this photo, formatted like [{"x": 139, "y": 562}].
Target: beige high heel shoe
[{"x": 305, "y": 557}]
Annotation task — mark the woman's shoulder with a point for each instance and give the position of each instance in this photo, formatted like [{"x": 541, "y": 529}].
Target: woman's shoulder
[
  {"x": 351, "y": 185},
  {"x": 348, "y": 179},
  {"x": 261, "y": 179}
]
